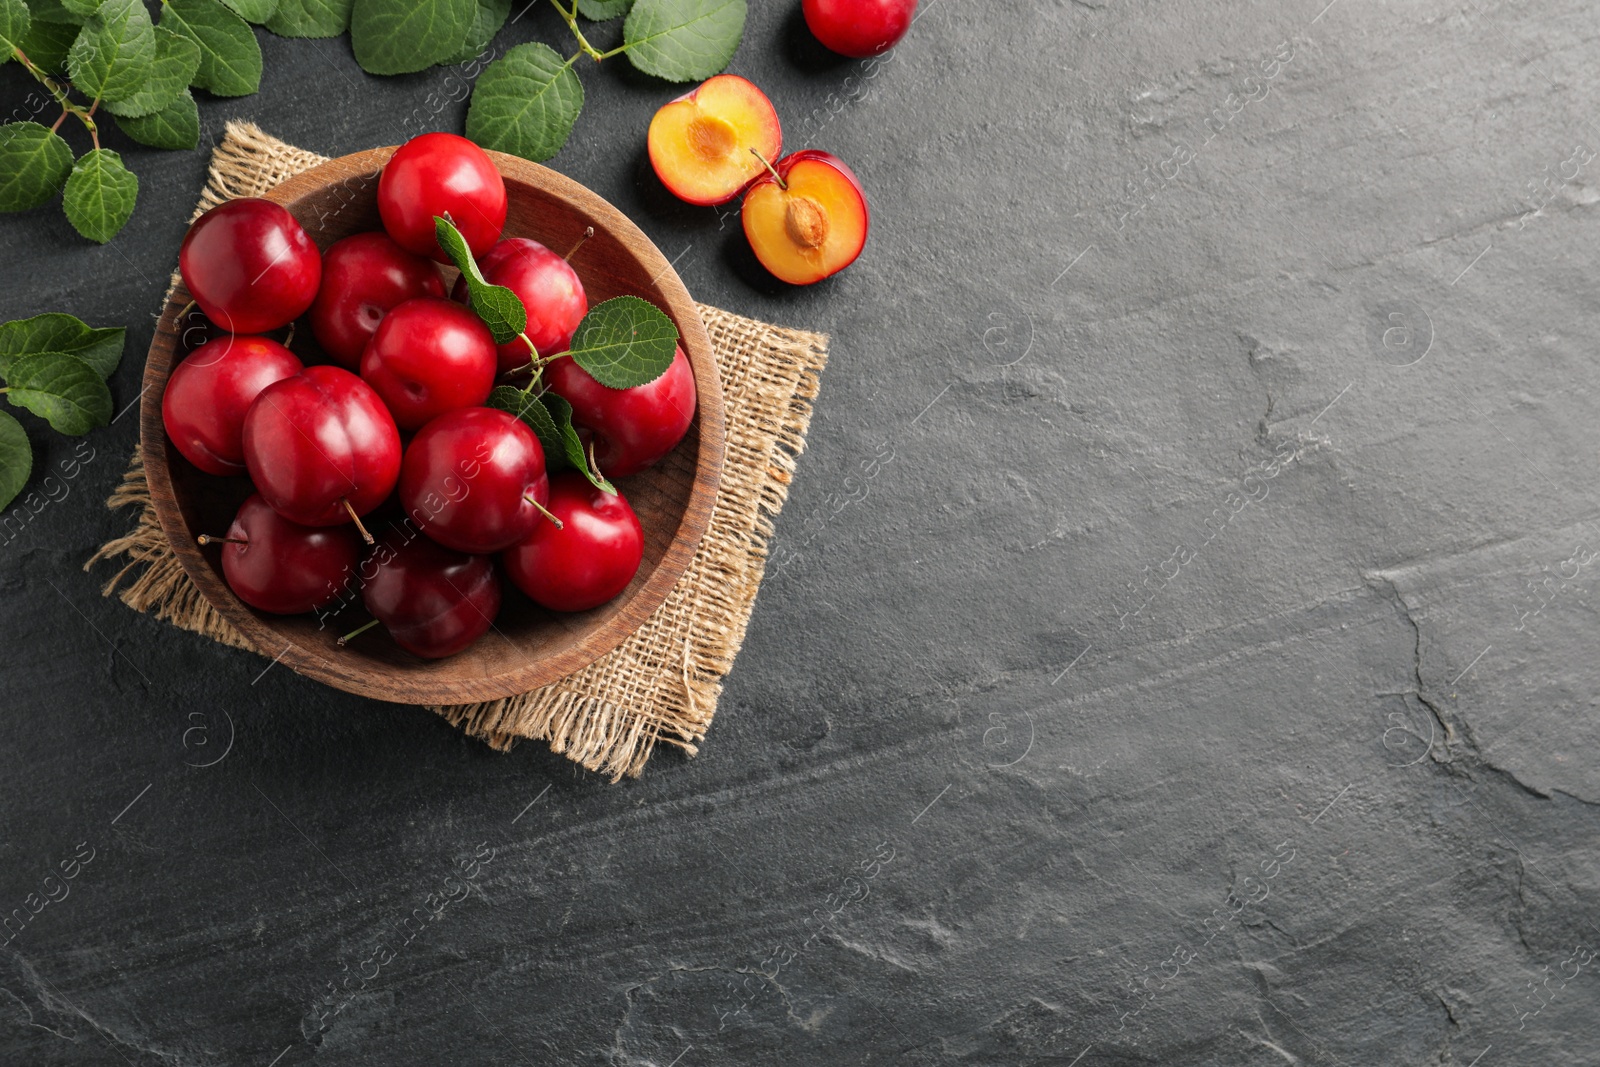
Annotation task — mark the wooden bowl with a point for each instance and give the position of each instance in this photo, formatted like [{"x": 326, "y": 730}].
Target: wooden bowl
[{"x": 528, "y": 647}]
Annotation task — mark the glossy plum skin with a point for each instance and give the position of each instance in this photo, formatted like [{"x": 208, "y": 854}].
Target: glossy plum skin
[
  {"x": 208, "y": 394},
  {"x": 466, "y": 478},
  {"x": 589, "y": 560},
  {"x": 441, "y": 174},
  {"x": 364, "y": 276},
  {"x": 250, "y": 266},
  {"x": 632, "y": 428},
  {"x": 433, "y": 601},
  {"x": 318, "y": 439},
  {"x": 549, "y": 289},
  {"x": 427, "y": 357},
  {"x": 286, "y": 568},
  {"x": 859, "y": 28}
]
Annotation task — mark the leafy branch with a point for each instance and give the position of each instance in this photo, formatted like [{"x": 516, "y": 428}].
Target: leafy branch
[{"x": 99, "y": 57}]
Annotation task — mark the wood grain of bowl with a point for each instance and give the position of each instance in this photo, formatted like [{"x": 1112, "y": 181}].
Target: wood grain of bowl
[{"x": 528, "y": 647}]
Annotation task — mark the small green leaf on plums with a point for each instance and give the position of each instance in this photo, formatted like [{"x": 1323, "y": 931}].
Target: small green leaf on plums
[
  {"x": 230, "y": 57},
  {"x": 500, "y": 309},
  {"x": 560, "y": 413},
  {"x": 34, "y": 165},
  {"x": 176, "y": 126},
  {"x": 16, "y": 459},
  {"x": 177, "y": 60},
  {"x": 492, "y": 14},
  {"x": 100, "y": 348},
  {"x": 624, "y": 342},
  {"x": 256, "y": 11},
  {"x": 61, "y": 389},
  {"x": 405, "y": 36},
  {"x": 525, "y": 406},
  {"x": 100, "y": 195},
  {"x": 310, "y": 18},
  {"x": 683, "y": 40},
  {"x": 602, "y": 10},
  {"x": 550, "y": 418},
  {"x": 115, "y": 51},
  {"x": 525, "y": 103}
]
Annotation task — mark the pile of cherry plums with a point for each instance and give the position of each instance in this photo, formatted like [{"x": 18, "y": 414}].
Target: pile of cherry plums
[{"x": 385, "y": 435}]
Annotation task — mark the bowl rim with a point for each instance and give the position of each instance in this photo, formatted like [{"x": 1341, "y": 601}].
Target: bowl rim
[{"x": 430, "y": 688}]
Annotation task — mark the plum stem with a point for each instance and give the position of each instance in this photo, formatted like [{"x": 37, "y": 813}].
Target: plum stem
[
  {"x": 288, "y": 338},
  {"x": 772, "y": 170},
  {"x": 546, "y": 512},
  {"x": 365, "y": 536},
  {"x": 570, "y": 17},
  {"x": 587, "y": 233},
  {"x": 600, "y": 481},
  {"x": 58, "y": 91},
  {"x": 212, "y": 539},
  {"x": 529, "y": 343},
  {"x": 357, "y": 632}
]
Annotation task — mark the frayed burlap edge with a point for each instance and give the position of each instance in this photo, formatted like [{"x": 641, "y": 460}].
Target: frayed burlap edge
[{"x": 663, "y": 682}]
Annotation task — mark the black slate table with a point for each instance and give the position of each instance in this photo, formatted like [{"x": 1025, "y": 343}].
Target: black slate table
[{"x": 1182, "y": 651}]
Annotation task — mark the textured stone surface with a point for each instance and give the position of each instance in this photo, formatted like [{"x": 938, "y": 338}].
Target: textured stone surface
[{"x": 1128, "y": 569}]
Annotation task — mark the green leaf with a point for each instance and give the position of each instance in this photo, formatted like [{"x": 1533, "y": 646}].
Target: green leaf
[
  {"x": 48, "y": 43},
  {"x": 486, "y": 23},
  {"x": 14, "y": 22},
  {"x": 566, "y": 448},
  {"x": 55, "y": 332},
  {"x": 404, "y": 36},
  {"x": 115, "y": 51},
  {"x": 571, "y": 445},
  {"x": 683, "y": 40},
  {"x": 526, "y": 406},
  {"x": 34, "y": 164},
  {"x": 177, "y": 60},
  {"x": 61, "y": 389},
  {"x": 16, "y": 458},
  {"x": 54, "y": 11},
  {"x": 525, "y": 103},
  {"x": 100, "y": 195},
  {"x": 310, "y": 18},
  {"x": 230, "y": 58},
  {"x": 601, "y": 10},
  {"x": 550, "y": 418},
  {"x": 624, "y": 342},
  {"x": 82, "y": 8},
  {"x": 177, "y": 126},
  {"x": 257, "y": 11},
  {"x": 500, "y": 309}
]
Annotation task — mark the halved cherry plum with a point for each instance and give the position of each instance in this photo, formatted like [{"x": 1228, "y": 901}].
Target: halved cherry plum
[
  {"x": 807, "y": 219},
  {"x": 700, "y": 143}
]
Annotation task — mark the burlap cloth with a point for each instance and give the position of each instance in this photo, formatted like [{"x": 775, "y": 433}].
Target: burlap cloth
[{"x": 662, "y": 683}]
